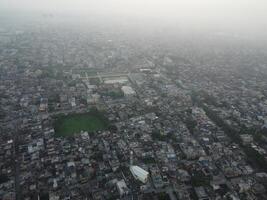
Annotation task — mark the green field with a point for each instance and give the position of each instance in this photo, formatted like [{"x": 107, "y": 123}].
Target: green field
[{"x": 75, "y": 123}]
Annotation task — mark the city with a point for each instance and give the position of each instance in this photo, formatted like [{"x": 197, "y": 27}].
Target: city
[{"x": 97, "y": 113}]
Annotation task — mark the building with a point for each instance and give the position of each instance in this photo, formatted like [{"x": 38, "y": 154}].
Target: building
[
  {"x": 43, "y": 104},
  {"x": 246, "y": 139},
  {"x": 122, "y": 188},
  {"x": 128, "y": 91},
  {"x": 139, "y": 173},
  {"x": 201, "y": 193}
]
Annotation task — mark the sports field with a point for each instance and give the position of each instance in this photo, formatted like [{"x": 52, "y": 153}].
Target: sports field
[{"x": 75, "y": 123}]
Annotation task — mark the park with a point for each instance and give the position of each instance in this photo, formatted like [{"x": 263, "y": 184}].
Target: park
[{"x": 69, "y": 125}]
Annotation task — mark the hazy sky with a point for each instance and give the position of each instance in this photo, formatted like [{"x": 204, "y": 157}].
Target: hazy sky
[{"x": 239, "y": 15}]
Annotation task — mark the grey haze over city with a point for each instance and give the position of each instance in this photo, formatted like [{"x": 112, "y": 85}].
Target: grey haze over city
[
  {"x": 239, "y": 17},
  {"x": 133, "y": 99}
]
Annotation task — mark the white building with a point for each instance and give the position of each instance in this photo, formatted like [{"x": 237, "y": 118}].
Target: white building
[
  {"x": 73, "y": 102},
  {"x": 128, "y": 91},
  {"x": 93, "y": 98},
  {"x": 246, "y": 139},
  {"x": 139, "y": 173},
  {"x": 122, "y": 187}
]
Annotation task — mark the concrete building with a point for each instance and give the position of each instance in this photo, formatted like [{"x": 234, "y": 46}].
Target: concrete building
[
  {"x": 201, "y": 193},
  {"x": 246, "y": 139},
  {"x": 122, "y": 188},
  {"x": 128, "y": 91},
  {"x": 139, "y": 173}
]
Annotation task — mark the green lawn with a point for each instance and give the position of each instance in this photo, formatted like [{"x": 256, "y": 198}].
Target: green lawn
[{"x": 75, "y": 123}]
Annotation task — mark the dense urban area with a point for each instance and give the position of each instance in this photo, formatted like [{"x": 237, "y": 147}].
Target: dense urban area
[{"x": 102, "y": 113}]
